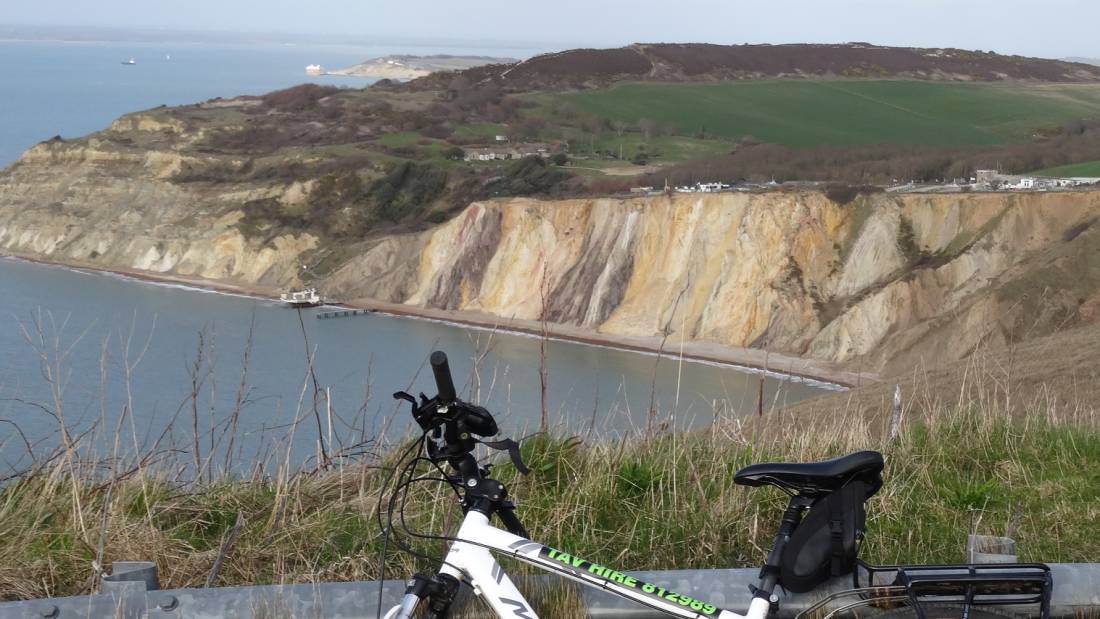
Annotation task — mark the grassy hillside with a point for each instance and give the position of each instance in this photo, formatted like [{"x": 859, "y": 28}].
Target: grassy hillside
[
  {"x": 811, "y": 113},
  {"x": 1085, "y": 168},
  {"x": 951, "y": 471},
  {"x": 693, "y": 62}
]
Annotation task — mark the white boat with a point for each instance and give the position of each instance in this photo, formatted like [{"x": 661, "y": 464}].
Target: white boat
[
  {"x": 314, "y": 69},
  {"x": 130, "y": 61},
  {"x": 301, "y": 298}
]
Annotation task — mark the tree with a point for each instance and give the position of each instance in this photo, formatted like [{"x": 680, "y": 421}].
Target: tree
[
  {"x": 454, "y": 153},
  {"x": 527, "y": 128},
  {"x": 559, "y": 159},
  {"x": 458, "y": 87},
  {"x": 620, "y": 127},
  {"x": 648, "y": 127}
]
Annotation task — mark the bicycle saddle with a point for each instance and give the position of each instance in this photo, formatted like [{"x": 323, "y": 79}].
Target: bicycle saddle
[{"x": 816, "y": 478}]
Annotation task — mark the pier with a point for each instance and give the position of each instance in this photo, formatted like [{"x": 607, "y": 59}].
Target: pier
[{"x": 347, "y": 313}]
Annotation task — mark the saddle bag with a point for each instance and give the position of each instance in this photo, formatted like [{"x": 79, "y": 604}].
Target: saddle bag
[{"x": 826, "y": 542}]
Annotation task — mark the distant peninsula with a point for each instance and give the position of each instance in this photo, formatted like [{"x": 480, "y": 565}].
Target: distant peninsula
[{"x": 405, "y": 67}]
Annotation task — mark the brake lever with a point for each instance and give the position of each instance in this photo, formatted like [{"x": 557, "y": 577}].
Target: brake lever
[
  {"x": 401, "y": 395},
  {"x": 512, "y": 448}
]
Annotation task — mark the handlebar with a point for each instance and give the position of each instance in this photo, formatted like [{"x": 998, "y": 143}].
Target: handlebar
[
  {"x": 453, "y": 425},
  {"x": 443, "y": 382},
  {"x": 456, "y": 419}
]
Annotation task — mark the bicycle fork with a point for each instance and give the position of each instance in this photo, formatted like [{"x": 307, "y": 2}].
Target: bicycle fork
[{"x": 440, "y": 591}]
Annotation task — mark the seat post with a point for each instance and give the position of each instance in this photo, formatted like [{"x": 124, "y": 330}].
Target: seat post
[{"x": 769, "y": 574}]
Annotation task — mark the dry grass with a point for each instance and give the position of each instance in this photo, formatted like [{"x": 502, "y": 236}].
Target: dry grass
[
  {"x": 982, "y": 455},
  {"x": 642, "y": 503}
]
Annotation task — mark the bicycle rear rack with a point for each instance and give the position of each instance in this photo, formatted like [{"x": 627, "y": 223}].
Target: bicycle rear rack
[{"x": 893, "y": 586}]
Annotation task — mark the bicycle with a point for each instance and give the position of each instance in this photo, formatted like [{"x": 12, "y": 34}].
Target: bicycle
[{"x": 818, "y": 538}]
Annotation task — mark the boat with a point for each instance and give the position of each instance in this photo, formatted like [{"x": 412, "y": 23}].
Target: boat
[
  {"x": 130, "y": 61},
  {"x": 314, "y": 69},
  {"x": 301, "y": 298}
]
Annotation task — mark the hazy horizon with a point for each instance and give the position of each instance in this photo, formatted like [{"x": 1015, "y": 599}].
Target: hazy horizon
[{"x": 975, "y": 24}]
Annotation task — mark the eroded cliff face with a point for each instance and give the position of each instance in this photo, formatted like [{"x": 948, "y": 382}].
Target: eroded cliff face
[
  {"x": 882, "y": 283},
  {"x": 99, "y": 206}
]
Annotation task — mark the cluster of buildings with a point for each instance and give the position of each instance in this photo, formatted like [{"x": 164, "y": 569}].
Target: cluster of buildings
[
  {"x": 983, "y": 180},
  {"x": 992, "y": 179},
  {"x": 704, "y": 188},
  {"x": 503, "y": 150},
  {"x": 712, "y": 187},
  {"x": 518, "y": 151}
]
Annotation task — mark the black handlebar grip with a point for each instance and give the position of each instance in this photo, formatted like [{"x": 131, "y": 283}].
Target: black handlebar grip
[{"x": 443, "y": 380}]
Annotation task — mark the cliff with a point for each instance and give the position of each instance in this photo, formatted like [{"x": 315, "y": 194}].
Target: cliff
[
  {"x": 882, "y": 282},
  {"x": 90, "y": 203}
]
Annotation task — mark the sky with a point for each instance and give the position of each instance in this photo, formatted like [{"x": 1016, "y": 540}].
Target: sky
[{"x": 1050, "y": 28}]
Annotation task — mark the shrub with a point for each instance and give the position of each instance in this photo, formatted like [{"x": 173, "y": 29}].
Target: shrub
[
  {"x": 437, "y": 131},
  {"x": 436, "y": 217},
  {"x": 529, "y": 176},
  {"x": 297, "y": 98},
  {"x": 407, "y": 190},
  {"x": 841, "y": 194},
  {"x": 907, "y": 241}
]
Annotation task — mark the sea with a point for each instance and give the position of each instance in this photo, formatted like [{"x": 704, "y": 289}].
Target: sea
[
  {"x": 70, "y": 89},
  {"x": 191, "y": 378}
]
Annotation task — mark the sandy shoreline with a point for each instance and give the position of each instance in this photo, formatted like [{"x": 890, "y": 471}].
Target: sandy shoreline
[{"x": 745, "y": 358}]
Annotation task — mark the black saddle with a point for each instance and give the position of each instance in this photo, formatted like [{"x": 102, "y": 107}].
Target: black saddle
[{"x": 815, "y": 479}]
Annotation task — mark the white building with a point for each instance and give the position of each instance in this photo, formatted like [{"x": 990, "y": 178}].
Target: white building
[
  {"x": 537, "y": 149},
  {"x": 488, "y": 154},
  {"x": 703, "y": 188}
]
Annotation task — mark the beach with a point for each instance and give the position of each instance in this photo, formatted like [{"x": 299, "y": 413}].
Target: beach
[{"x": 748, "y": 359}]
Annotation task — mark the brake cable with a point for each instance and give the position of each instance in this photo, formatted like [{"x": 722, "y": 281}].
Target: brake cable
[
  {"x": 403, "y": 475},
  {"x": 382, "y": 524}
]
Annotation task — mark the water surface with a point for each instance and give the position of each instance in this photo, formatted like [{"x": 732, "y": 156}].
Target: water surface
[
  {"x": 100, "y": 324},
  {"x": 74, "y": 88},
  {"x": 115, "y": 357}
]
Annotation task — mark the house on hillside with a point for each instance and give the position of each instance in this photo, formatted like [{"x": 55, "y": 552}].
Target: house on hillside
[
  {"x": 487, "y": 154},
  {"x": 534, "y": 149},
  {"x": 498, "y": 153}
]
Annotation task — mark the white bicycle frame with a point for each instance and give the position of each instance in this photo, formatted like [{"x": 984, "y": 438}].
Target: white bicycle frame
[{"x": 469, "y": 559}]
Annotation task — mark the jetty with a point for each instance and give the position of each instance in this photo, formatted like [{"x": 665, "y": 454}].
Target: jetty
[{"x": 344, "y": 313}]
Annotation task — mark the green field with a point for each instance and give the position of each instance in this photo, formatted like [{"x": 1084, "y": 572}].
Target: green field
[
  {"x": 1086, "y": 168},
  {"x": 810, "y": 113}
]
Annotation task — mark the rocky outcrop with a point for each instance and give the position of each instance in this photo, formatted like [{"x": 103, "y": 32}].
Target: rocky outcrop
[{"x": 883, "y": 282}]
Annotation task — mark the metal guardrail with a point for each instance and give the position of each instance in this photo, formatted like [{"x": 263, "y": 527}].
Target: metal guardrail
[{"x": 131, "y": 592}]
